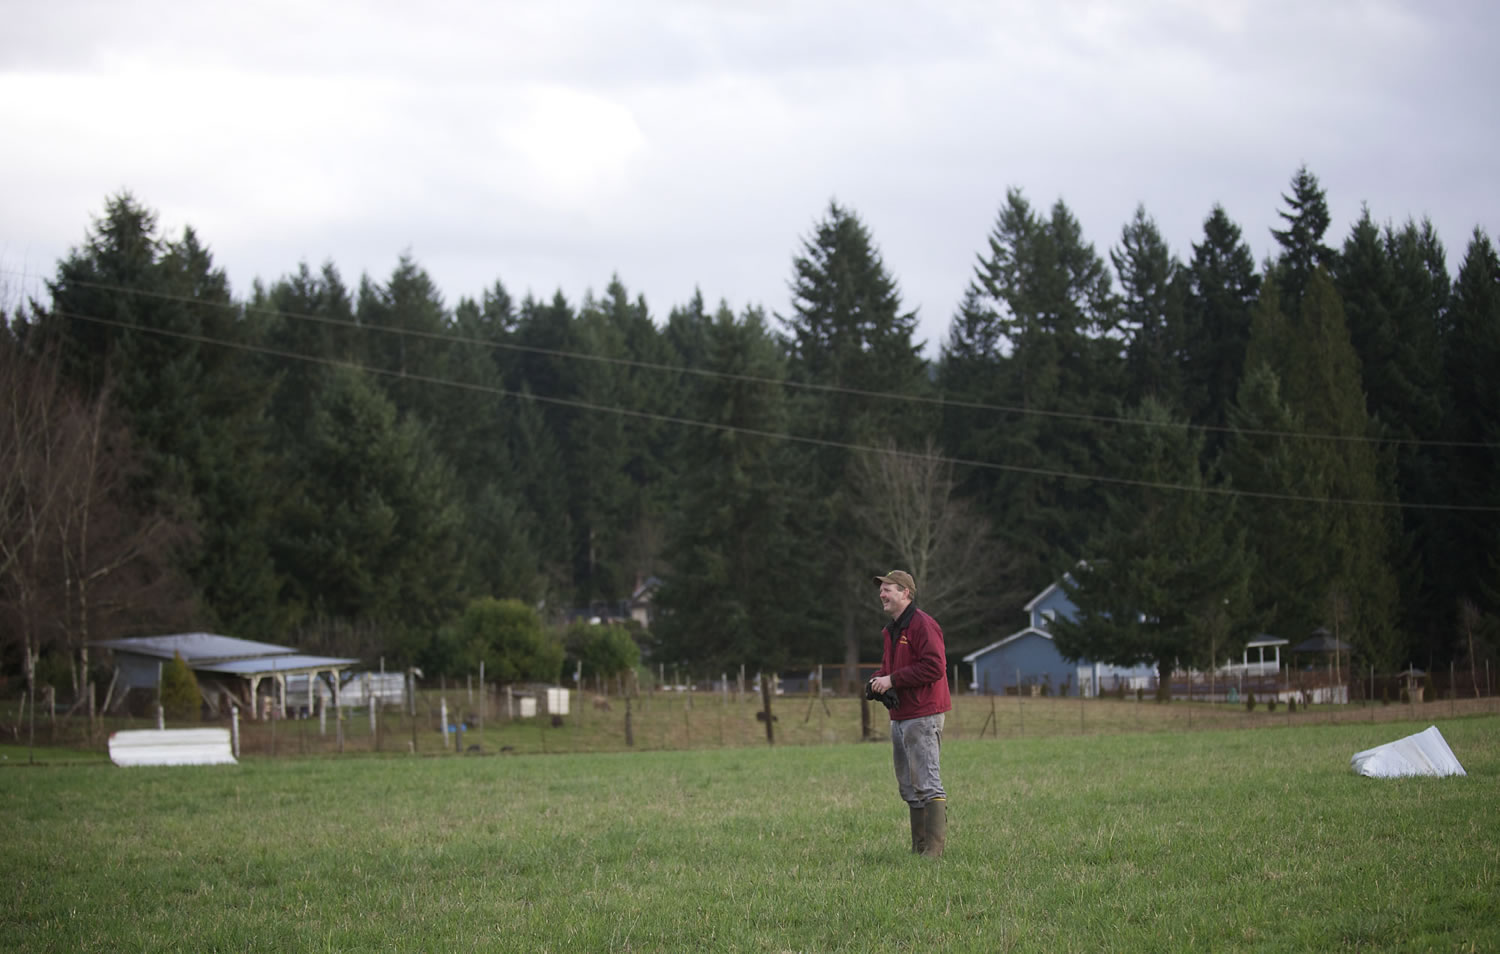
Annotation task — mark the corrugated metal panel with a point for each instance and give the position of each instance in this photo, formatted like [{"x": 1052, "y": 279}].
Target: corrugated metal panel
[
  {"x": 274, "y": 664},
  {"x": 195, "y": 647},
  {"x": 171, "y": 747}
]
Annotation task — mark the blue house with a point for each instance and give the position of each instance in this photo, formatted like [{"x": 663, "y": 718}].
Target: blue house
[{"x": 1028, "y": 659}]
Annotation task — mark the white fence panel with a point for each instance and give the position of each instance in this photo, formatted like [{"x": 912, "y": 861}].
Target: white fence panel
[{"x": 171, "y": 747}]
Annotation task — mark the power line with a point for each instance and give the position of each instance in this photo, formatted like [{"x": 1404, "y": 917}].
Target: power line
[
  {"x": 777, "y": 435},
  {"x": 941, "y": 402}
]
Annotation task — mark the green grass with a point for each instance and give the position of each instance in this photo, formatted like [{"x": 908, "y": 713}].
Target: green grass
[
  {"x": 22, "y": 755},
  {"x": 1210, "y": 840}
]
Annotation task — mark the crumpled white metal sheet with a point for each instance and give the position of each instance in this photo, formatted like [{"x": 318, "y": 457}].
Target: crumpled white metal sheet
[{"x": 1426, "y": 753}]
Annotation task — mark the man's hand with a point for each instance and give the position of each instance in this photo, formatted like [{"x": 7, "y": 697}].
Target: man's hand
[{"x": 880, "y": 684}]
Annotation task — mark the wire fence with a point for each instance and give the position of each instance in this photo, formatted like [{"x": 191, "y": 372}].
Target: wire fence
[{"x": 466, "y": 718}]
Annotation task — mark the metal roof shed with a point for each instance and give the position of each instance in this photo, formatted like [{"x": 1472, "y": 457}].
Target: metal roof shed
[
  {"x": 249, "y": 673},
  {"x": 233, "y": 668}
]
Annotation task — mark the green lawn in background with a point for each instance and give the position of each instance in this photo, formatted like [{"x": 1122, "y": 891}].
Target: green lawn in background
[{"x": 1208, "y": 840}]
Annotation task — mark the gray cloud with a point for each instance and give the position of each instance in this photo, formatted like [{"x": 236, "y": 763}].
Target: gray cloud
[{"x": 687, "y": 145}]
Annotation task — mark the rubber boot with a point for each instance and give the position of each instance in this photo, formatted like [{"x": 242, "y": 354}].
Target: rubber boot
[
  {"x": 918, "y": 830},
  {"x": 937, "y": 828}
]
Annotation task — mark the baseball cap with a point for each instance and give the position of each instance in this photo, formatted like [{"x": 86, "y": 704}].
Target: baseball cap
[{"x": 901, "y": 578}]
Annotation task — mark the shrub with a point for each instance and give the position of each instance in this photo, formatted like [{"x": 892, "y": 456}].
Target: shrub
[
  {"x": 1271, "y": 704},
  {"x": 509, "y": 637},
  {"x": 180, "y": 698},
  {"x": 1249, "y": 702}
]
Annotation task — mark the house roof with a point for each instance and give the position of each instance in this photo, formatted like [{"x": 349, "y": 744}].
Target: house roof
[
  {"x": 195, "y": 648},
  {"x": 269, "y": 665},
  {"x": 1030, "y": 630},
  {"x": 1324, "y": 643},
  {"x": 1041, "y": 596},
  {"x": 1266, "y": 639}
]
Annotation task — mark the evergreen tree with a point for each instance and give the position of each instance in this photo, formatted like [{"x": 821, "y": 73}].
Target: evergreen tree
[
  {"x": 1151, "y": 313},
  {"x": 1168, "y": 578},
  {"x": 1320, "y": 557},
  {"x": 1394, "y": 304},
  {"x": 1047, "y": 295},
  {"x": 153, "y": 321},
  {"x": 847, "y": 333},
  {"x": 372, "y": 530},
  {"x": 1222, "y": 287},
  {"x": 740, "y": 578},
  {"x": 1284, "y": 523},
  {"x": 1472, "y": 463},
  {"x": 1302, "y": 248},
  {"x": 181, "y": 699}
]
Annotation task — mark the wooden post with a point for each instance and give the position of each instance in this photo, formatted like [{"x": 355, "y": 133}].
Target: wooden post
[
  {"x": 765, "y": 699},
  {"x": 629, "y": 731},
  {"x": 1020, "y": 711},
  {"x": 234, "y": 728},
  {"x": 443, "y": 714}
]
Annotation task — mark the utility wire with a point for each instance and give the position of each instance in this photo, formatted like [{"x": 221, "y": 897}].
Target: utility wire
[
  {"x": 941, "y": 402},
  {"x": 775, "y": 435}
]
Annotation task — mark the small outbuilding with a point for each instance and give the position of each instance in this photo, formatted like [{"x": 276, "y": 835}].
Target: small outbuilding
[{"x": 228, "y": 669}]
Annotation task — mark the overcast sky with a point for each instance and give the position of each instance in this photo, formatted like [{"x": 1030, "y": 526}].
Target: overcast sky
[{"x": 550, "y": 145}]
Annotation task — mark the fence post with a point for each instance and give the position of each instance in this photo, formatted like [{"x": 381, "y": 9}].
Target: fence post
[
  {"x": 234, "y": 728},
  {"x": 629, "y": 733},
  {"x": 765, "y": 698},
  {"x": 1020, "y": 712},
  {"x": 161, "y": 716},
  {"x": 443, "y": 711}
]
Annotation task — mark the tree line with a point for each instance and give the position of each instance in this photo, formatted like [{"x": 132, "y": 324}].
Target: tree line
[{"x": 1208, "y": 446}]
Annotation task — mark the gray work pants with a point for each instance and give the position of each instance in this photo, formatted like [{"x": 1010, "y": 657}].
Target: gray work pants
[{"x": 915, "y": 743}]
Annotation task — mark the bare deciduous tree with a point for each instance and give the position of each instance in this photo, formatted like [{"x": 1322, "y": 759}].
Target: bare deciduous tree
[
  {"x": 908, "y": 505},
  {"x": 77, "y": 562}
]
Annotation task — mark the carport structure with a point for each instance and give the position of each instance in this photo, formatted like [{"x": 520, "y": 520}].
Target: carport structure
[{"x": 228, "y": 669}]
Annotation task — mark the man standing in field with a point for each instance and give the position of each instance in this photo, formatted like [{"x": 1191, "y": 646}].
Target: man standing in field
[{"x": 914, "y": 663}]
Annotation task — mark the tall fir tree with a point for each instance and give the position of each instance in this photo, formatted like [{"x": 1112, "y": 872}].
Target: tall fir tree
[
  {"x": 1222, "y": 287},
  {"x": 152, "y": 320},
  {"x": 1302, "y": 248},
  {"x": 1333, "y": 551},
  {"x": 847, "y": 333},
  {"x": 1394, "y": 305},
  {"x": 1168, "y": 576},
  {"x": 1150, "y": 313},
  {"x": 1047, "y": 295},
  {"x": 730, "y": 539},
  {"x": 371, "y": 534},
  {"x": 1471, "y": 352}
]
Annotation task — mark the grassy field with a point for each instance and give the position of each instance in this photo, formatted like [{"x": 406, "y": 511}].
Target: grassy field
[
  {"x": 1145, "y": 841},
  {"x": 701, "y": 721}
]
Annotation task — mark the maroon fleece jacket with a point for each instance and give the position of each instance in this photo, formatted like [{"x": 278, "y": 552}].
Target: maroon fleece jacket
[{"x": 917, "y": 662}]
